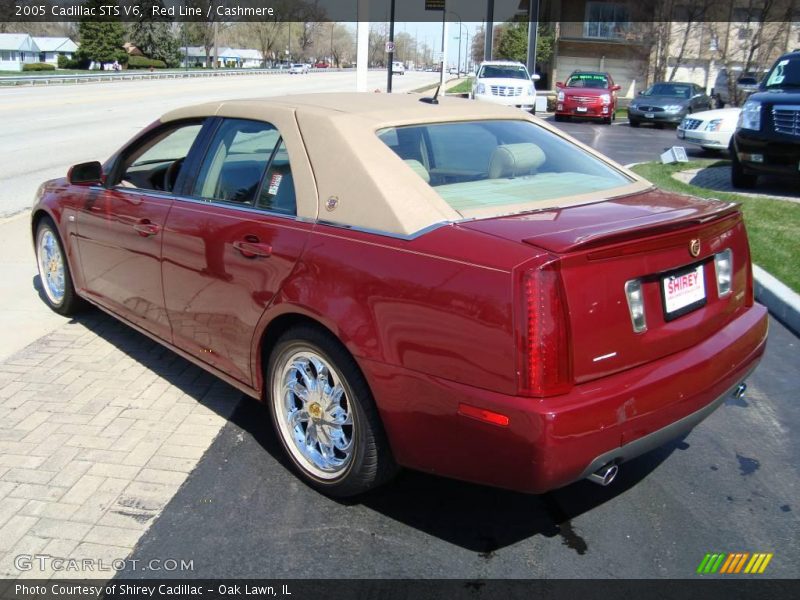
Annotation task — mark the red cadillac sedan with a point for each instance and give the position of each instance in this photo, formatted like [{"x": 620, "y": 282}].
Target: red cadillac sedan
[
  {"x": 587, "y": 94},
  {"x": 457, "y": 288}
]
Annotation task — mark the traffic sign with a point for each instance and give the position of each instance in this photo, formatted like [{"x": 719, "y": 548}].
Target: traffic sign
[{"x": 389, "y": 46}]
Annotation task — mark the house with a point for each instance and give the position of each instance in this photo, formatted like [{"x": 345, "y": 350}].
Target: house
[
  {"x": 599, "y": 36},
  {"x": 249, "y": 58},
  {"x": 17, "y": 49},
  {"x": 50, "y": 48},
  {"x": 195, "y": 56}
]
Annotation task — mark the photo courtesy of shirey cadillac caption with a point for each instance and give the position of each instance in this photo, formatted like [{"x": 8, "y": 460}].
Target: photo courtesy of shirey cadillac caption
[{"x": 399, "y": 299}]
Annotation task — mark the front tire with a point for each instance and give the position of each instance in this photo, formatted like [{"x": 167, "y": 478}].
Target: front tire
[
  {"x": 633, "y": 122},
  {"x": 54, "y": 273},
  {"x": 739, "y": 178},
  {"x": 324, "y": 414}
]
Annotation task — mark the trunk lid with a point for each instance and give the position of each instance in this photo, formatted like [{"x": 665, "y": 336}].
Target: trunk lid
[{"x": 646, "y": 237}]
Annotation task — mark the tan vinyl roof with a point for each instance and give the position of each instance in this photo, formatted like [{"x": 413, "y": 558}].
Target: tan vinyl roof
[{"x": 336, "y": 155}]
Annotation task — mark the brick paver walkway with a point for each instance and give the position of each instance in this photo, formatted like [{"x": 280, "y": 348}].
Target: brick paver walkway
[
  {"x": 719, "y": 179},
  {"x": 99, "y": 427}
]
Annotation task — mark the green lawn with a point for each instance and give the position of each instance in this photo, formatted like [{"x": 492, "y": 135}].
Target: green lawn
[
  {"x": 773, "y": 225},
  {"x": 462, "y": 88}
]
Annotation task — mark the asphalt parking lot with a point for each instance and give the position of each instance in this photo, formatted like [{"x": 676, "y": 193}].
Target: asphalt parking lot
[{"x": 151, "y": 458}]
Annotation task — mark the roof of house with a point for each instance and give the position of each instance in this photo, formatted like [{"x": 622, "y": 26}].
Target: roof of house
[
  {"x": 17, "y": 41},
  {"x": 55, "y": 44}
]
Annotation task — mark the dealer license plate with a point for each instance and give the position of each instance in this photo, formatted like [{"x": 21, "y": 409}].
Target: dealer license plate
[
  {"x": 683, "y": 291},
  {"x": 580, "y": 109},
  {"x": 649, "y": 115}
]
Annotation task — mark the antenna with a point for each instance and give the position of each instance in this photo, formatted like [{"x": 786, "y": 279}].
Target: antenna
[{"x": 435, "y": 99}]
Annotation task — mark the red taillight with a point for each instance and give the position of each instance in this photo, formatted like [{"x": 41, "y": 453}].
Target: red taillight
[{"x": 546, "y": 360}]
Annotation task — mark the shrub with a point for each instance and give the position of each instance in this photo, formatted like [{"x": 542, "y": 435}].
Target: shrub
[
  {"x": 38, "y": 67},
  {"x": 71, "y": 63},
  {"x": 142, "y": 62}
]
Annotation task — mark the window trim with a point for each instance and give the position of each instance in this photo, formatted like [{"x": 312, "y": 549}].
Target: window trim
[{"x": 115, "y": 174}]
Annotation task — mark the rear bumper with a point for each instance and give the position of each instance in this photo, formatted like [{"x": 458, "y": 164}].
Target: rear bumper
[{"x": 551, "y": 442}]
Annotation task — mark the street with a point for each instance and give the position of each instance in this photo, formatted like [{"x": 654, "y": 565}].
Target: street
[{"x": 172, "y": 463}]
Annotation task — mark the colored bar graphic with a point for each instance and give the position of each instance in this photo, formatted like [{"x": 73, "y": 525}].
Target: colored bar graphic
[{"x": 734, "y": 562}]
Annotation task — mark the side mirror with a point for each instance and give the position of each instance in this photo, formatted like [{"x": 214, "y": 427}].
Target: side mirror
[
  {"x": 559, "y": 84},
  {"x": 616, "y": 88},
  {"x": 88, "y": 173},
  {"x": 641, "y": 92},
  {"x": 535, "y": 77}
]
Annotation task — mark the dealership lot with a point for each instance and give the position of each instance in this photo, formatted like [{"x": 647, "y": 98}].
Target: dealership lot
[{"x": 112, "y": 446}]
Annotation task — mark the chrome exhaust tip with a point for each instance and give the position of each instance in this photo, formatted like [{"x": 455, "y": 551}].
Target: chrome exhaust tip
[
  {"x": 604, "y": 475},
  {"x": 740, "y": 390}
]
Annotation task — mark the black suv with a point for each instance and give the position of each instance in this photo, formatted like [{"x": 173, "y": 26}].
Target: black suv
[{"x": 767, "y": 139}]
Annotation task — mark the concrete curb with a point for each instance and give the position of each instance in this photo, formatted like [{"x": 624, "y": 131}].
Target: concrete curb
[{"x": 780, "y": 300}]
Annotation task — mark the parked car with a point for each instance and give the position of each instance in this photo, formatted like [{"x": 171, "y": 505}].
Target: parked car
[
  {"x": 767, "y": 138},
  {"x": 505, "y": 82},
  {"x": 321, "y": 65},
  {"x": 587, "y": 94},
  {"x": 667, "y": 102},
  {"x": 453, "y": 71},
  {"x": 298, "y": 69},
  {"x": 709, "y": 129},
  {"x": 458, "y": 287},
  {"x": 398, "y": 68},
  {"x": 746, "y": 84}
]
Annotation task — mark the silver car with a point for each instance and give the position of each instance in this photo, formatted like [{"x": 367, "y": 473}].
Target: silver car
[{"x": 667, "y": 102}]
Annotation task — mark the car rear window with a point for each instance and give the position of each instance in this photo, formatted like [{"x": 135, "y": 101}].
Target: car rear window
[{"x": 499, "y": 163}]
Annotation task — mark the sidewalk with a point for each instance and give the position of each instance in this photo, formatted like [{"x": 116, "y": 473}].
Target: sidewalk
[
  {"x": 24, "y": 317},
  {"x": 718, "y": 179},
  {"x": 99, "y": 425}
]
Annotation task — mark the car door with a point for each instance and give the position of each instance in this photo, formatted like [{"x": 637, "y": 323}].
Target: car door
[
  {"x": 120, "y": 227},
  {"x": 231, "y": 240}
]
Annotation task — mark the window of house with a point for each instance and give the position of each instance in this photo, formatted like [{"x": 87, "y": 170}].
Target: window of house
[{"x": 607, "y": 20}]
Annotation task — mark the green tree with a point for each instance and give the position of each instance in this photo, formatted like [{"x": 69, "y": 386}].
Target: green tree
[
  {"x": 513, "y": 42},
  {"x": 154, "y": 37},
  {"x": 101, "y": 38}
]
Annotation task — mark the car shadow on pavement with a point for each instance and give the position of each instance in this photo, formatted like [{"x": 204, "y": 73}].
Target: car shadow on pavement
[
  {"x": 201, "y": 386},
  {"x": 477, "y": 518}
]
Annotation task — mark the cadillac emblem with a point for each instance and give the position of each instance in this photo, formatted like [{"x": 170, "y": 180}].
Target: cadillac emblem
[{"x": 694, "y": 247}]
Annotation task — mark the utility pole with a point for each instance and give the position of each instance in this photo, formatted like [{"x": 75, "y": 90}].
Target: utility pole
[
  {"x": 488, "y": 31},
  {"x": 533, "y": 30},
  {"x": 444, "y": 42},
  {"x": 216, "y": 48},
  {"x": 390, "y": 47}
]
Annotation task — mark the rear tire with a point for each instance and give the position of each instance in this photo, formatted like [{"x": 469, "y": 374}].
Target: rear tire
[
  {"x": 560, "y": 118},
  {"x": 324, "y": 414},
  {"x": 633, "y": 122},
  {"x": 54, "y": 274}
]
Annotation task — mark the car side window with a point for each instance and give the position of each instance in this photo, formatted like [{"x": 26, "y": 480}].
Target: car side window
[
  {"x": 234, "y": 165},
  {"x": 277, "y": 191},
  {"x": 156, "y": 162}
]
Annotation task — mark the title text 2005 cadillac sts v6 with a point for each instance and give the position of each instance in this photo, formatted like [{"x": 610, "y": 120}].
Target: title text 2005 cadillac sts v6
[{"x": 455, "y": 287}]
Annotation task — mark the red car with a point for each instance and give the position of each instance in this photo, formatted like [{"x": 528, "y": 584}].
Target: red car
[
  {"x": 321, "y": 65},
  {"x": 587, "y": 94},
  {"x": 458, "y": 287}
]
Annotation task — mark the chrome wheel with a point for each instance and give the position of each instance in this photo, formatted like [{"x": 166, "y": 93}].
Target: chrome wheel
[
  {"x": 314, "y": 413},
  {"x": 52, "y": 270}
]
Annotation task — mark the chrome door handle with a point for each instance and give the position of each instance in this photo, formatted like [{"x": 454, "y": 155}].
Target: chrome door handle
[
  {"x": 253, "y": 249},
  {"x": 146, "y": 228}
]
